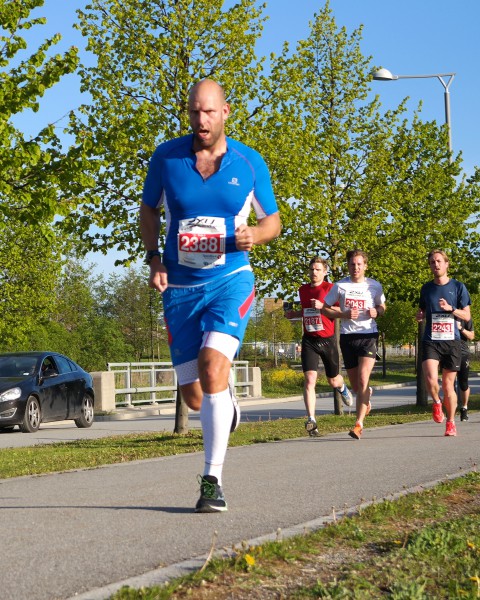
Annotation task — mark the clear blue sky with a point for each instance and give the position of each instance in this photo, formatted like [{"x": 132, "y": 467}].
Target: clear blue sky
[{"x": 409, "y": 37}]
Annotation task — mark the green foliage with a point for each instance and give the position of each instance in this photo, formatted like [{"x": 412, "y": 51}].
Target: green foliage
[
  {"x": 283, "y": 380},
  {"x": 475, "y": 311},
  {"x": 32, "y": 169},
  {"x": 398, "y": 324},
  {"x": 138, "y": 312},
  {"x": 77, "y": 323},
  {"x": 32, "y": 174},
  {"x": 29, "y": 269},
  {"x": 369, "y": 179},
  {"x": 345, "y": 173},
  {"x": 269, "y": 326}
]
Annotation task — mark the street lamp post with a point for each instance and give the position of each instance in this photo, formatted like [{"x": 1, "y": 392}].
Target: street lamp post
[{"x": 385, "y": 75}]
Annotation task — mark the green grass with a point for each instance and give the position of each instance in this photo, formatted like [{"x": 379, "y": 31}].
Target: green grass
[
  {"x": 291, "y": 384},
  {"x": 287, "y": 381}
]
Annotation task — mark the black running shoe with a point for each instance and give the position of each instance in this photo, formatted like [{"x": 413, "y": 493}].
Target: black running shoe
[
  {"x": 311, "y": 427},
  {"x": 211, "y": 495},
  {"x": 463, "y": 414}
]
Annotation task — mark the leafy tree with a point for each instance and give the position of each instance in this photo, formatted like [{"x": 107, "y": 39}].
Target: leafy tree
[
  {"x": 28, "y": 274},
  {"x": 33, "y": 171},
  {"x": 269, "y": 327},
  {"x": 137, "y": 310},
  {"x": 32, "y": 168},
  {"x": 345, "y": 174},
  {"x": 349, "y": 176},
  {"x": 398, "y": 325},
  {"x": 78, "y": 325}
]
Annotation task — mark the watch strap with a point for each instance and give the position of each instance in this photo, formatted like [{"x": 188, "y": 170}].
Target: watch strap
[{"x": 150, "y": 254}]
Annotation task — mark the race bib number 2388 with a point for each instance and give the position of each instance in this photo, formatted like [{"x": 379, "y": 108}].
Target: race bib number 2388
[{"x": 201, "y": 242}]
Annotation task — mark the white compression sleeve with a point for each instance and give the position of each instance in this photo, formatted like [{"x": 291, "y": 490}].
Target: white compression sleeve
[{"x": 216, "y": 417}]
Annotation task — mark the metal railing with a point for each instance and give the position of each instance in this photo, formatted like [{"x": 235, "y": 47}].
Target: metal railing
[{"x": 150, "y": 383}]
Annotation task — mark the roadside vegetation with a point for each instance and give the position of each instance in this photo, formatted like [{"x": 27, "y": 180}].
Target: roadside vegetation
[
  {"x": 287, "y": 378},
  {"x": 285, "y": 381}
]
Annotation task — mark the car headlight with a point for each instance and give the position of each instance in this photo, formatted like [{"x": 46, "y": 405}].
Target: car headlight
[{"x": 12, "y": 394}]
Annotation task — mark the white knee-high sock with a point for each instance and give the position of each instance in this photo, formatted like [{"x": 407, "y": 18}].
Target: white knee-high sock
[{"x": 216, "y": 416}]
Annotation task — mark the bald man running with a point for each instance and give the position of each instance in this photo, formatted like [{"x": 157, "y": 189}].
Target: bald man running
[{"x": 205, "y": 184}]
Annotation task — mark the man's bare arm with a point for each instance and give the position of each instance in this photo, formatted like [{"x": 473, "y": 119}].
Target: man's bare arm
[
  {"x": 332, "y": 312},
  {"x": 150, "y": 229},
  {"x": 263, "y": 232}
]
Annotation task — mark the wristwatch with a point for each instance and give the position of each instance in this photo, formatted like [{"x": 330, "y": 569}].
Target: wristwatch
[{"x": 150, "y": 254}]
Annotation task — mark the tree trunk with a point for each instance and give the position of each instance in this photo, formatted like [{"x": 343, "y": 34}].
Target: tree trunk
[
  {"x": 422, "y": 396},
  {"x": 337, "y": 398},
  {"x": 181, "y": 414},
  {"x": 384, "y": 357}
]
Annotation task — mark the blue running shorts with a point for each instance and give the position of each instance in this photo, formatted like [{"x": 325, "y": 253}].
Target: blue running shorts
[{"x": 222, "y": 305}]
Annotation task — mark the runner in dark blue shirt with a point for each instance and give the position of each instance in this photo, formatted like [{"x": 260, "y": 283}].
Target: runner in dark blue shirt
[{"x": 441, "y": 302}]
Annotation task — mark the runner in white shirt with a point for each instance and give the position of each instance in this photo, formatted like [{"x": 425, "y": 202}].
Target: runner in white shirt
[{"x": 361, "y": 301}]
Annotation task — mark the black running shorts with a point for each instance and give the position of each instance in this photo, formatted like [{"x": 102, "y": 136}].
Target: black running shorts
[
  {"x": 448, "y": 353},
  {"x": 356, "y": 345},
  {"x": 314, "y": 348}
]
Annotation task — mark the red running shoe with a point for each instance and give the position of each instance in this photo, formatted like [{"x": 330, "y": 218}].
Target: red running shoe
[
  {"x": 451, "y": 428},
  {"x": 437, "y": 412}
]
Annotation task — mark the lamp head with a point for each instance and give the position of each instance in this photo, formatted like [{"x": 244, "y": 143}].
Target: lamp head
[{"x": 384, "y": 75}]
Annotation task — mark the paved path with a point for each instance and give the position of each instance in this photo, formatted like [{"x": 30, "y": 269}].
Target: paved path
[{"x": 84, "y": 533}]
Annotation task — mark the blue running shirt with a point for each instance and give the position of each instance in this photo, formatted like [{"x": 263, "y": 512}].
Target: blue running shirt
[
  {"x": 440, "y": 325},
  {"x": 202, "y": 215}
]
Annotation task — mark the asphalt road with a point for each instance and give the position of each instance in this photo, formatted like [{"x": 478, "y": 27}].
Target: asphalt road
[{"x": 83, "y": 534}]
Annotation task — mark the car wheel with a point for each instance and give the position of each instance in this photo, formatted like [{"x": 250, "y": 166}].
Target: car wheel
[
  {"x": 32, "y": 417},
  {"x": 87, "y": 416}
]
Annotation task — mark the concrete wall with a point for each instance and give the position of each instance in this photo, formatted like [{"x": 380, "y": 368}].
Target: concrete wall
[
  {"x": 255, "y": 376},
  {"x": 104, "y": 390}
]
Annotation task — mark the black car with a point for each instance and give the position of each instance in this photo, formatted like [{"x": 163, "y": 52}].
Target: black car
[{"x": 38, "y": 387}]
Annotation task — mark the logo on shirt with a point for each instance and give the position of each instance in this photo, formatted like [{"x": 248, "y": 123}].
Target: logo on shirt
[{"x": 233, "y": 181}]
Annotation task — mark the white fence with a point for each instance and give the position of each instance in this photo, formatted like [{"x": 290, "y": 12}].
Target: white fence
[
  {"x": 156, "y": 382},
  {"x": 292, "y": 350}
]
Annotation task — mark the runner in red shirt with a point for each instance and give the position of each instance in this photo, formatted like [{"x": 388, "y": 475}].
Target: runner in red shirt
[{"x": 318, "y": 340}]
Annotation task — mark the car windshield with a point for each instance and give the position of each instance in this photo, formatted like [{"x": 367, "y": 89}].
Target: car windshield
[{"x": 17, "y": 366}]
